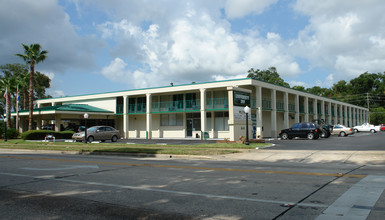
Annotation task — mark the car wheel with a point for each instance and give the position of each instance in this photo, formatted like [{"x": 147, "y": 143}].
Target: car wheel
[
  {"x": 342, "y": 134},
  {"x": 114, "y": 138},
  {"x": 310, "y": 136},
  {"x": 373, "y": 131},
  {"x": 90, "y": 139},
  {"x": 103, "y": 140},
  {"x": 355, "y": 130}
]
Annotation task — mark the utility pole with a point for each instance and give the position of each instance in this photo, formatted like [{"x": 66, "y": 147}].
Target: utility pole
[{"x": 367, "y": 100}]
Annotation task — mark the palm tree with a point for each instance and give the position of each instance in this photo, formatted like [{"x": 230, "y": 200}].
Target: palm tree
[
  {"x": 23, "y": 87},
  {"x": 32, "y": 55}
]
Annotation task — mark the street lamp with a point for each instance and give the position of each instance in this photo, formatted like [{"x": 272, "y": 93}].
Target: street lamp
[
  {"x": 247, "y": 111},
  {"x": 85, "y": 129},
  {"x": 5, "y": 129}
]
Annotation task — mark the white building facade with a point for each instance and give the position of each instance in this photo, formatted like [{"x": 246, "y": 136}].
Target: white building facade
[{"x": 197, "y": 110}]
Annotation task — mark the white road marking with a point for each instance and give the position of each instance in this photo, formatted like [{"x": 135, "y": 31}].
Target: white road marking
[
  {"x": 62, "y": 168},
  {"x": 171, "y": 191},
  {"x": 357, "y": 202}
]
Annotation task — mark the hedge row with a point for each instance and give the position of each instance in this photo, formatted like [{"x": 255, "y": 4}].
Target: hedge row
[
  {"x": 11, "y": 133},
  {"x": 41, "y": 134}
]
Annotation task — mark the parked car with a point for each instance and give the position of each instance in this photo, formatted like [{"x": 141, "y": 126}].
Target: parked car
[
  {"x": 382, "y": 127},
  {"x": 102, "y": 133},
  {"x": 326, "y": 129},
  {"x": 48, "y": 127},
  {"x": 342, "y": 130},
  {"x": 366, "y": 127},
  {"x": 303, "y": 130}
]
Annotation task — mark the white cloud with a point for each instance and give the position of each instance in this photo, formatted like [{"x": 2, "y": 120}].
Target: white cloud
[
  {"x": 346, "y": 37},
  {"x": 196, "y": 47},
  {"x": 46, "y": 23},
  {"x": 241, "y": 8},
  {"x": 56, "y": 93},
  {"x": 115, "y": 71}
]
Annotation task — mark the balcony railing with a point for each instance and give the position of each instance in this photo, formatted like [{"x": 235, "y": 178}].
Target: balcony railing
[
  {"x": 291, "y": 107},
  {"x": 119, "y": 108},
  {"x": 137, "y": 108},
  {"x": 266, "y": 104},
  {"x": 217, "y": 103},
  {"x": 311, "y": 110},
  {"x": 280, "y": 106},
  {"x": 168, "y": 106},
  {"x": 176, "y": 106},
  {"x": 302, "y": 109}
]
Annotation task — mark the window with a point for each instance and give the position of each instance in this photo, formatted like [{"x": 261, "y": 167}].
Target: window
[
  {"x": 296, "y": 126},
  {"x": 171, "y": 120},
  {"x": 221, "y": 121}
]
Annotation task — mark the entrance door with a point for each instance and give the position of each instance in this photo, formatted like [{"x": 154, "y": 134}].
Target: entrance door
[{"x": 189, "y": 127}]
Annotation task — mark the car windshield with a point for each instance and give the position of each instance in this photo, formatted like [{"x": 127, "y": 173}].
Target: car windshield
[{"x": 92, "y": 129}]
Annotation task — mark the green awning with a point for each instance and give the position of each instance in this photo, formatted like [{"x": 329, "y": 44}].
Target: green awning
[{"x": 69, "y": 108}]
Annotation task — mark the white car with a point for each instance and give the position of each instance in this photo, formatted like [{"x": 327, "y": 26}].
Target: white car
[{"x": 366, "y": 127}]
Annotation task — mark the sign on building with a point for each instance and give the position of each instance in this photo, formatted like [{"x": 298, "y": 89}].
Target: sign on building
[{"x": 241, "y": 98}]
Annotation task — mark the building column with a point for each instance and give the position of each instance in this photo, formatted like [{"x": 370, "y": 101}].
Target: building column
[
  {"x": 125, "y": 116},
  {"x": 350, "y": 117},
  {"x": 203, "y": 112},
  {"x": 335, "y": 113},
  {"x": 330, "y": 113},
  {"x": 258, "y": 102},
  {"x": 148, "y": 116},
  {"x": 341, "y": 115},
  {"x": 273, "y": 113},
  {"x": 361, "y": 122},
  {"x": 231, "y": 114},
  {"x": 315, "y": 109},
  {"x": 39, "y": 123},
  {"x": 57, "y": 122},
  {"x": 323, "y": 116},
  {"x": 354, "y": 116},
  {"x": 22, "y": 124},
  {"x": 346, "y": 116},
  {"x": 306, "y": 106},
  {"x": 286, "y": 110},
  {"x": 296, "y": 108}
]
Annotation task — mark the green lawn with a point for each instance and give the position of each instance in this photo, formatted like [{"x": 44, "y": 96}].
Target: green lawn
[{"x": 200, "y": 149}]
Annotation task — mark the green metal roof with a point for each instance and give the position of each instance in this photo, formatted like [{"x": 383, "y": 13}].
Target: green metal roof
[{"x": 70, "y": 107}]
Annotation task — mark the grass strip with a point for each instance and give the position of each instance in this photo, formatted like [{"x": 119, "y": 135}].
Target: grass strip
[{"x": 199, "y": 149}]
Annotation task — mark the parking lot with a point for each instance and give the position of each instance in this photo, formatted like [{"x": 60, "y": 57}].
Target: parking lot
[{"x": 372, "y": 142}]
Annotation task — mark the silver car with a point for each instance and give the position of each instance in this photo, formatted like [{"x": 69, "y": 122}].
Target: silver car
[
  {"x": 341, "y": 130},
  {"x": 101, "y": 133}
]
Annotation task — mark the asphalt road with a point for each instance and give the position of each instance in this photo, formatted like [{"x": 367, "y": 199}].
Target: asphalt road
[{"x": 47, "y": 186}]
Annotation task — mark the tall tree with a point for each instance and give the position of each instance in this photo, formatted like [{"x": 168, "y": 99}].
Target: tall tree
[
  {"x": 299, "y": 88},
  {"x": 32, "y": 55},
  {"x": 270, "y": 75}
]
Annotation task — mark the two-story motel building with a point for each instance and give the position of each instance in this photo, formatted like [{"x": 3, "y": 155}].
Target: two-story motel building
[{"x": 211, "y": 109}]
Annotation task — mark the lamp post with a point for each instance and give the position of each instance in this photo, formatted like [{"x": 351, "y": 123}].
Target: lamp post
[
  {"x": 85, "y": 129},
  {"x": 5, "y": 129},
  {"x": 247, "y": 111}
]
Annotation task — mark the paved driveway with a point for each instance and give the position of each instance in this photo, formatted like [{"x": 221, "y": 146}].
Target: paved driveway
[{"x": 362, "y": 141}]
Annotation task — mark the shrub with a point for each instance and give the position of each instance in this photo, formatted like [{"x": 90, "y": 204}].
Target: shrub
[
  {"x": 12, "y": 133},
  {"x": 41, "y": 134}
]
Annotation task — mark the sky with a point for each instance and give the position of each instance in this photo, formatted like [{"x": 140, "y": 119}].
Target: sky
[{"x": 97, "y": 46}]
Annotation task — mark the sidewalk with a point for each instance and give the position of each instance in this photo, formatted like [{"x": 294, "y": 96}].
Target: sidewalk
[
  {"x": 262, "y": 155},
  {"x": 309, "y": 156}
]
